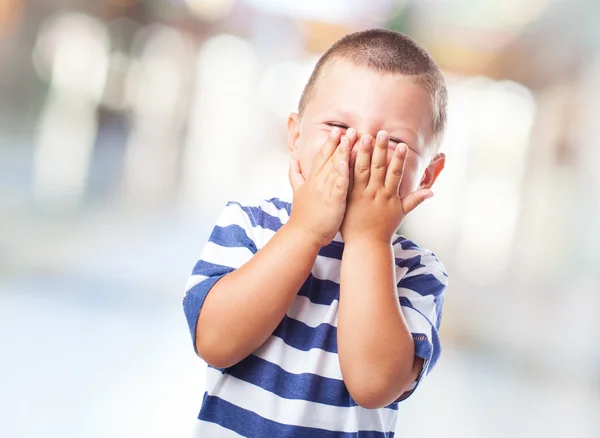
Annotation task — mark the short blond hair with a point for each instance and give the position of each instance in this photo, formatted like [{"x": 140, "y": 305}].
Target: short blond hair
[{"x": 387, "y": 51}]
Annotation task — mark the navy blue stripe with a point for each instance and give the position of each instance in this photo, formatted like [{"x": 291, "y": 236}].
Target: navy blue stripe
[
  {"x": 252, "y": 425},
  {"x": 412, "y": 262},
  {"x": 305, "y": 386},
  {"x": 407, "y": 303},
  {"x": 303, "y": 337},
  {"x": 320, "y": 291},
  {"x": 264, "y": 219},
  {"x": 408, "y": 244},
  {"x": 280, "y": 205},
  {"x": 439, "y": 305},
  {"x": 210, "y": 269},
  {"x": 425, "y": 284},
  {"x": 232, "y": 236},
  {"x": 193, "y": 302},
  {"x": 260, "y": 218},
  {"x": 437, "y": 350},
  {"x": 424, "y": 347},
  {"x": 334, "y": 250},
  {"x": 399, "y": 239}
]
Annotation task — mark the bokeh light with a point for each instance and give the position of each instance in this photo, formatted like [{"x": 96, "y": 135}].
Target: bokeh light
[{"x": 126, "y": 125}]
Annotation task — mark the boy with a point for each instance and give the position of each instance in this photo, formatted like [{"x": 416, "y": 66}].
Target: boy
[{"x": 314, "y": 317}]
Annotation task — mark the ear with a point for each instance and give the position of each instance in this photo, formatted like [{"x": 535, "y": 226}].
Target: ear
[
  {"x": 293, "y": 129},
  {"x": 433, "y": 171}
]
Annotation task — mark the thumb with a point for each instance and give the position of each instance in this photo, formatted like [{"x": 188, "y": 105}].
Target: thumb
[
  {"x": 412, "y": 201},
  {"x": 295, "y": 176}
]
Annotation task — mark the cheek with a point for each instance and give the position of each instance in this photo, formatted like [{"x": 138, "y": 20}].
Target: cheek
[
  {"x": 309, "y": 147},
  {"x": 410, "y": 177}
]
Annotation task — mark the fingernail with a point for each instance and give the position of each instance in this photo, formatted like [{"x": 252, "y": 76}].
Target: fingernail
[
  {"x": 350, "y": 132},
  {"x": 335, "y": 132},
  {"x": 382, "y": 134},
  {"x": 366, "y": 139}
]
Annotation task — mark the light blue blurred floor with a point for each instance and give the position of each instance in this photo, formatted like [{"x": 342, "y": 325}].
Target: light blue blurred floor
[{"x": 94, "y": 343}]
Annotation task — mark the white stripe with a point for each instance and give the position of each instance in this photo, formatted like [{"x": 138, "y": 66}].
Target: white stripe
[
  {"x": 193, "y": 281},
  {"x": 424, "y": 304},
  {"x": 416, "y": 322},
  {"x": 428, "y": 269},
  {"x": 401, "y": 253},
  {"x": 300, "y": 412},
  {"x": 400, "y": 273},
  {"x": 270, "y": 208},
  {"x": 311, "y": 314},
  {"x": 226, "y": 256},
  {"x": 338, "y": 237},
  {"x": 326, "y": 268},
  {"x": 292, "y": 360},
  {"x": 233, "y": 215},
  {"x": 263, "y": 235},
  {"x": 204, "y": 429}
]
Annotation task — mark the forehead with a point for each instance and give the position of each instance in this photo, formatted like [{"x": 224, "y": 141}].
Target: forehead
[{"x": 372, "y": 99}]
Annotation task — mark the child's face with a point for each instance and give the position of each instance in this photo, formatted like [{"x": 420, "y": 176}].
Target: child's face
[{"x": 349, "y": 96}]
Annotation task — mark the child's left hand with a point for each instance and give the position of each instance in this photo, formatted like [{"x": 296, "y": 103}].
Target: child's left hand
[{"x": 374, "y": 208}]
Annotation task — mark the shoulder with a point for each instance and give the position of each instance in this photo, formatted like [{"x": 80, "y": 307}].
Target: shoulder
[
  {"x": 259, "y": 210},
  {"x": 262, "y": 217},
  {"x": 418, "y": 261}
]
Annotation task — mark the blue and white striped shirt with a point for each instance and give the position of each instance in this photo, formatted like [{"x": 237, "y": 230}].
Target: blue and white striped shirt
[{"x": 292, "y": 385}]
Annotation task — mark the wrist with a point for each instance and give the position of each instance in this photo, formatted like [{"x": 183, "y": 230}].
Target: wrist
[
  {"x": 368, "y": 239},
  {"x": 303, "y": 235}
]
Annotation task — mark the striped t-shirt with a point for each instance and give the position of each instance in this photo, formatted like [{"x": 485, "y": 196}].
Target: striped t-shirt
[{"x": 292, "y": 385}]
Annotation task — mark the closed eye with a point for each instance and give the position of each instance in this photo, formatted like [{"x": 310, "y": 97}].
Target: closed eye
[
  {"x": 337, "y": 125},
  {"x": 342, "y": 126}
]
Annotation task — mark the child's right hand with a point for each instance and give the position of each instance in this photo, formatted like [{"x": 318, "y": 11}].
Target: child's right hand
[{"x": 320, "y": 200}]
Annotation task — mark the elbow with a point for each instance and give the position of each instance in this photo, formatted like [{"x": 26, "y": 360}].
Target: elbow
[
  {"x": 372, "y": 397},
  {"x": 376, "y": 394},
  {"x": 216, "y": 354},
  {"x": 368, "y": 401}
]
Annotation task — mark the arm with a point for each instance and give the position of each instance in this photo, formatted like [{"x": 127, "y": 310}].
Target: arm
[
  {"x": 244, "y": 307},
  {"x": 375, "y": 345}
]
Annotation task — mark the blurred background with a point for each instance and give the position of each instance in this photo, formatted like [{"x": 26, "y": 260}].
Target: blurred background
[{"x": 125, "y": 125}]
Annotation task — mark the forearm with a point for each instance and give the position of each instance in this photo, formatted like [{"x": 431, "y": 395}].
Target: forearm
[
  {"x": 375, "y": 346},
  {"x": 243, "y": 308}
]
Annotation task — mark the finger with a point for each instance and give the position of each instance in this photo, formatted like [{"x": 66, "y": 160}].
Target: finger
[
  {"x": 327, "y": 149},
  {"x": 353, "y": 154},
  {"x": 343, "y": 180},
  {"x": 351, "y": 134},
  {"x": 362, "y": 165},
  {"x": 393, "y": 177},
  {"x": 331, "y": 169},
  {"x": 412, "y": 201},
  {"x": 379, "y": 159},
  {"x": 347, "y": 153},
  {"x": 294, "y": 174}
]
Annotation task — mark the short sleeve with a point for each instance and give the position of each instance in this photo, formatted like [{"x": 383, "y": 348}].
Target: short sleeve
[
  {"x": 421, "y": 293},
  {"x": 229, "y": 246}
]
